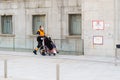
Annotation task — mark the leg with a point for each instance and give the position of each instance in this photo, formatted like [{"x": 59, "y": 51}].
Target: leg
[{"x": 38, "y": 46}]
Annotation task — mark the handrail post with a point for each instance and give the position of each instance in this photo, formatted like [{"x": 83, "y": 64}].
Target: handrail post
[
  {"x": 57, "y": 72},
  {"x": 5, "y": 68}
]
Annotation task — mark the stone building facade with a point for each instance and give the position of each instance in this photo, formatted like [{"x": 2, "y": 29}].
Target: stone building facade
[{"x": 89, "y": 27}]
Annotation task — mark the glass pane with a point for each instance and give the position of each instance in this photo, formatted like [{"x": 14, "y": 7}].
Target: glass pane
[
  {"x": 75, "y": 24},
  {"x": 37, "y": 21},
  {"x": 7, "y": 25}
]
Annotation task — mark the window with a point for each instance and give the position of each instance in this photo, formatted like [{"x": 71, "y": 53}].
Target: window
[
  {"x": 75, "y": 24},
  {"x": 6, "y": 25},
  {"x": 37, "y": 21}
]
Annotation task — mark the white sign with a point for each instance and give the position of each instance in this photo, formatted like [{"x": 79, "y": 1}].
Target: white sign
[
  {"x": 98, "y": 40},
  {"x": 98, "y": 24}
]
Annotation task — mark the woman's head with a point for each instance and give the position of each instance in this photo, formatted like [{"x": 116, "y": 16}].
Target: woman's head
[{"x": 41, "y": 27}]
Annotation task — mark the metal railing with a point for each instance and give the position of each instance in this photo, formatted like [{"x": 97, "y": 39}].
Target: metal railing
[
  {"x": 6, "y": 70},
  {"x": 29, "y": 43}
]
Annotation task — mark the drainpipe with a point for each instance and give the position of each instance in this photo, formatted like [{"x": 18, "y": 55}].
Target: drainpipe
[
  {"x": 116, "y": 33},
  {"x": 25, "y": 21},
  {"x": 61, "y": 22}
]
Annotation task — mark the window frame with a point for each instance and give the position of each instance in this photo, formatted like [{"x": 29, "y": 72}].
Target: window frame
[{"x": 1, "y": 31}]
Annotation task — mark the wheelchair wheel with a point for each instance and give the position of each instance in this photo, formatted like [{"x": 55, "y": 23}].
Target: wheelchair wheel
[
  {"x": 49, "y": 54},
  {"x": 54, "y": 54},
  {"x": 43, "y": 53}
]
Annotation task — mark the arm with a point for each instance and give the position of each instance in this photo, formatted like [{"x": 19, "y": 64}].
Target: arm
[{"x": 38, "y": 33}]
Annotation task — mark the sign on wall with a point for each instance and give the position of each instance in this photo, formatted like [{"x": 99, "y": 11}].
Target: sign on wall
[
  {"x": 98, "y": 24},
  {"x": 98, "y": 40}
]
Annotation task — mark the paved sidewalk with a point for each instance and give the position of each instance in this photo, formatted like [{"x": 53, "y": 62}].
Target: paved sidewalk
[{"x": 27, "y": 66}]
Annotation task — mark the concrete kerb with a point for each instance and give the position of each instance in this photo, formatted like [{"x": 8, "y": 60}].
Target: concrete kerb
[{"x": 59, "y": 57}]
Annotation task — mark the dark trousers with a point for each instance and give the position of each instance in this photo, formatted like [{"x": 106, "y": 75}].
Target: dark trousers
[{"x": 39, "y": 41}]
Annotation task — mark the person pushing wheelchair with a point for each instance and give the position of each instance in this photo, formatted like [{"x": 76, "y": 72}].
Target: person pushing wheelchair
[{"x": 41, "y": 34}]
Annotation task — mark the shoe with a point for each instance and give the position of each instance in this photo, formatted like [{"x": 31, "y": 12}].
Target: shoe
[{"x": 35, "y": 52}]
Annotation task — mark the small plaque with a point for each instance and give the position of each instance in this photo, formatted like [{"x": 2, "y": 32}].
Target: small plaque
[
  {"x": 98, "y": 40},
  {"x": 98, "y": 25}
]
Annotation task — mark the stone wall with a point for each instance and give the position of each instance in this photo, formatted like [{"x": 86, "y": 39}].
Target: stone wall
[
  {"x": 102, "y": 10},
  {"x": 56, "y": 26}
]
